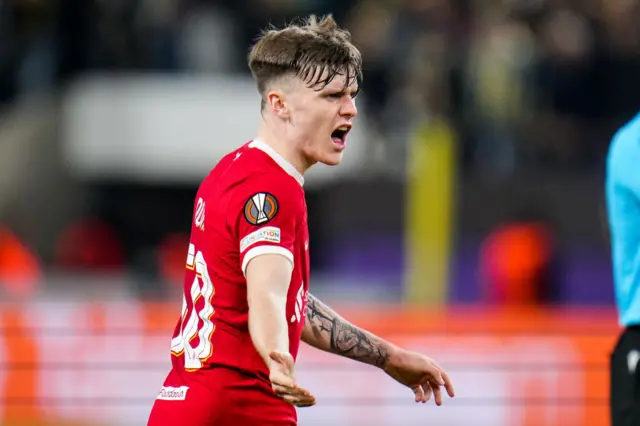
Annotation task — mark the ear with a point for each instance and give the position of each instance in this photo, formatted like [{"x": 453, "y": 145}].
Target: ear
[{"x": 277, "y": 103}]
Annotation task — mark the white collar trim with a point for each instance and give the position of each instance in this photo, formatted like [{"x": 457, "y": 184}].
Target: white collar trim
[{"x": 279, "y": 159}]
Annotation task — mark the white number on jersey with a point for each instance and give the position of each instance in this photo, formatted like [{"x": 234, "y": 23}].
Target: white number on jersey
[{"x": 195, "y": 356}]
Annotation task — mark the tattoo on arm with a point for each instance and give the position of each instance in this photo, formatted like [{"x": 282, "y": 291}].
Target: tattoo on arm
[{"x": 341, "y": 337}]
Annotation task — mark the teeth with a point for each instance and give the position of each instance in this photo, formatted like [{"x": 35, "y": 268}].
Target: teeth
[{"x": 343, "y": 128}]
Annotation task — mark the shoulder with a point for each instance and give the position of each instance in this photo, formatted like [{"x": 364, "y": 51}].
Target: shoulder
[
  {"x": 248, "y": 179},
  {"x": 261, "y": 174},
  {"x": 626, "y": 139},
  {"x": 264, "y": 195},
  {"x": 624, "y": 151},
  {"x": 241, "y": 167}
]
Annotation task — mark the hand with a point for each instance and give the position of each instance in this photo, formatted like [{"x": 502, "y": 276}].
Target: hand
[
  {"x": 283, "y": 382},
  {"x": 419, "y": 373}
]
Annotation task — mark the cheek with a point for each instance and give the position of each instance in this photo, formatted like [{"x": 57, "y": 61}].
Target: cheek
[
  {"x": 311, "y": 121},
  {"x": 302, "y": 116}
]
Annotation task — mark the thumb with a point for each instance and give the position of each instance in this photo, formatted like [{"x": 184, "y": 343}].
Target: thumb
[
  {"x": 276, "y": 356},
  {"x": 282, "y": 358}
]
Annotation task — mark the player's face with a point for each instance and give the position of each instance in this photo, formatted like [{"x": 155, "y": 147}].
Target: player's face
[{"x": 322, "y": 118}]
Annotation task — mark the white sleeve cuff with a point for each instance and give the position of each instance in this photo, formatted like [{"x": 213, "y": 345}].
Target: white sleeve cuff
[{"x": 259, "y": 251}]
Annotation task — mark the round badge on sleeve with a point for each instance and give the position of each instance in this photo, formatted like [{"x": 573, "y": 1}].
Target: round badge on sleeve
[{"x": 260, "y": 208}]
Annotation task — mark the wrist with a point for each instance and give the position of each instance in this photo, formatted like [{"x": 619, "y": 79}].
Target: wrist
[{"x": 394, "y": 354}]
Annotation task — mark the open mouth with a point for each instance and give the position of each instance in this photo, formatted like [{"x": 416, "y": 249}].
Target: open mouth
[{"x": 339, "y": 135}]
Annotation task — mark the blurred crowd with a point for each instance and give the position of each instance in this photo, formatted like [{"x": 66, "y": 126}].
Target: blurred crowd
[
  {"x": 525, "y": 86},
  {"x": 525, "y": 83}
]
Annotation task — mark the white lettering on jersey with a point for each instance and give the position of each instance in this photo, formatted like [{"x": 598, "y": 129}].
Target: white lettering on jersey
[
  {"x": 198, "y": 217},
  {"x": 269, "y": 234},
  {"x": 168, "y": 393},
  {"x": 298, "y": 305}
]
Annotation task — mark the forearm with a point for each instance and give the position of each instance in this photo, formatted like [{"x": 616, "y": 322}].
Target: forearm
[
  {"x": 326, "y": 330},
  {"x": 268, "y": 325},
  {"x": 268, "y": 278}
]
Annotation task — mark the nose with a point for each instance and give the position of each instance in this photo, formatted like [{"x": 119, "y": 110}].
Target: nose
[{"x": 348, "y": 108}]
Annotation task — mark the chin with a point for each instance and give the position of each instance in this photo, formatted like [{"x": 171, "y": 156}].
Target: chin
[{"x": 332, "y": 159}]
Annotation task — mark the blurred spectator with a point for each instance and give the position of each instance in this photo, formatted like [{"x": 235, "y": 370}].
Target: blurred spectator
[
  {"x": 89, "y": 245},
  {"x": 525, "y": 87},
  {"x": 502, "y": 53},
  {"x": 171, "y": 258},
  {"x": 20, "y": 269},
  {"x": 517, "y": 263},
  {"x": 208, "y": 40},
  {"x": 567, "y": 85}
]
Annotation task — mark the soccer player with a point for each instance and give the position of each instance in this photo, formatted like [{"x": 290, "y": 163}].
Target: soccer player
[
  {"x": 246, "y": 305},
  {"x": 623, "y": 206}
]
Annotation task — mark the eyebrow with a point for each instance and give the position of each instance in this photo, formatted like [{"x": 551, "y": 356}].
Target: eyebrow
[{"x": 348, "y": 90}]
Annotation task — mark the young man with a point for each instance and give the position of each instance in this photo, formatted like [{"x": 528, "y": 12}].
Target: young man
[
  {"x": 246, "y": 303},
  {"x": 623, "y": 206}
]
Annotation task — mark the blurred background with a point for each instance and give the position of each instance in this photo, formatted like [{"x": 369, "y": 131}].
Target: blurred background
[{"x": 467, "y": 220}]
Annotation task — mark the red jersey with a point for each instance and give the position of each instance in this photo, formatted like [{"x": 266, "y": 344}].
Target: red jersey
[{"x": 252, "y": 203}]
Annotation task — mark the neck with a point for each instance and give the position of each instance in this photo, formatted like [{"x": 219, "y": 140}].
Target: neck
[{"x": 286, "y": 148}]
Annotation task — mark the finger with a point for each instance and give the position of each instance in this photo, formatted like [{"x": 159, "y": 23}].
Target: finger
[
  {"x": 305, "y": 403},
  {"x": 294, "y": 389},
  {"x": 437, "y": 393},
  {"x": 297, "y": 401},
  {"x": 283, "y": 390},
  {"x": 297, "y": 398},
  {"x": 303, "y": 391},
  {"x": 302, "y": 404},
  {"x": 288, "y": 390},
  {"x": 437, "y": 376},
  {"x": 423, "y": 393},
  {"x": 427, "y": 393},
  {"x": 448, "y": 384},
  {"x": 282, "y": 379},
  {"x": 419, "y": 393}
]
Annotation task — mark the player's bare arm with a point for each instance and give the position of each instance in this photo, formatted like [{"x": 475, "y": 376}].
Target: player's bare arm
[
  {"x": 326, "y": 330},
  {"x": 268, "y": 278}
]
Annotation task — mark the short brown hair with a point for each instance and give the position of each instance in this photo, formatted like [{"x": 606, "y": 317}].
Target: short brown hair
[{"x": 315, "y": 51}]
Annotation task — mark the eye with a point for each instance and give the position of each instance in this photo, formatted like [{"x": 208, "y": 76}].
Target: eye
[{"x": 336, "y": 95}]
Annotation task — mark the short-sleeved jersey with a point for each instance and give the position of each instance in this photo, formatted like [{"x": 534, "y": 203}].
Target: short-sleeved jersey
[
  {"x": 252, "y": 203},
  {"x": 623, "y": 208}
]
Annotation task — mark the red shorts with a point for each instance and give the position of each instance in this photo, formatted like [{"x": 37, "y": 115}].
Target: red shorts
[{"x": 219, "y": 397}]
